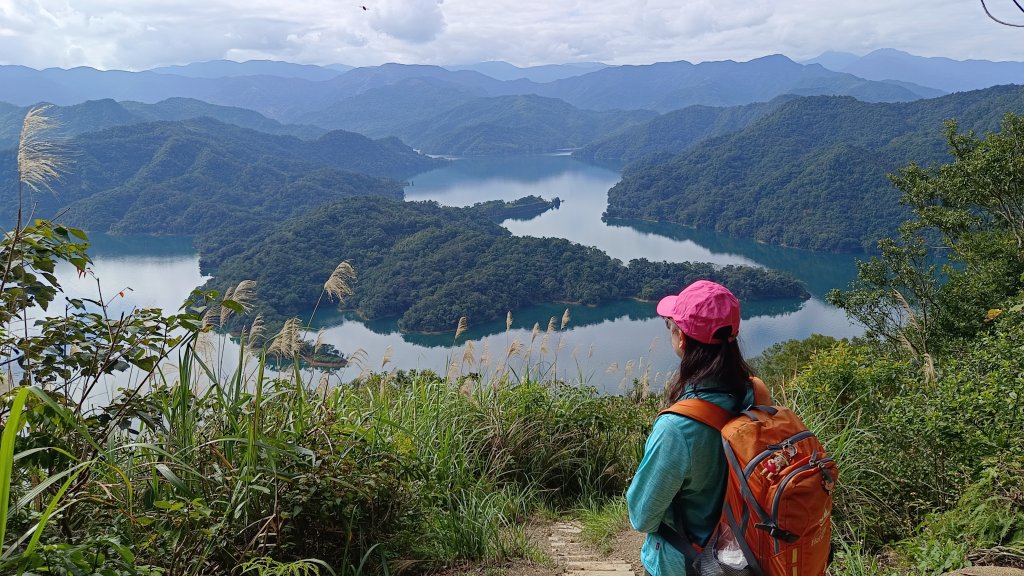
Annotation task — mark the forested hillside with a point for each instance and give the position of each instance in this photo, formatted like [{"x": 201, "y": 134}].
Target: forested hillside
[
  {"x": 675, "y": 131},
  {"x": 431, "y": 265},
  {"x": 185, "y": 177},
  {"x": 812, "y": 174}
]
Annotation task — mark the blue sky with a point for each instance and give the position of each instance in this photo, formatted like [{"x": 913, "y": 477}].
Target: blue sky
[{"x": 141, "y": 34}]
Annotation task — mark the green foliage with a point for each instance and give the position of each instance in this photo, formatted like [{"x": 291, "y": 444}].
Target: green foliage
[
  {"x": 97, "y": 556},
  {"x": 854, "y": 560},
  {"x": 603, "y": 522},
  {"x": 523, "y": 208},
  {"x": 29, "y": 257},
  {"x": 267, "y": 566},
  {"x": 200, "y": 472},
  {"x": 781, "y": 362},
  {"x": 934, "y": 465},
  {"x": 975, "y": 206},
  {"x": 986, "y": 524},
  {"x": 844, "y": 395}
]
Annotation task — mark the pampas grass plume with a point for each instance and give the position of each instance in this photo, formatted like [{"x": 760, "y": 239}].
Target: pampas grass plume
[
  {"x": 287, "y": 342},
  {"x": 39, "y": 158},
  {"x": 339, "y": 284}
]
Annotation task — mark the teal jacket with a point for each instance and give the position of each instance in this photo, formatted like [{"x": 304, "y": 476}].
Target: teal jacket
[{"x": 683, "y": 468}]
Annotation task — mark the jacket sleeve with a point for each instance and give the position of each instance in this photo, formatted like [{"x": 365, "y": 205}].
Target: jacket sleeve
[{"x": 662, "y": 473}]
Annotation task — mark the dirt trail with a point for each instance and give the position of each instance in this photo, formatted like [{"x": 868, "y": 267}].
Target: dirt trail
[{"x": 562, "y": 542}]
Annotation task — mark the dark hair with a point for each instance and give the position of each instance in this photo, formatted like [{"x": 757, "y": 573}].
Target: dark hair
[{"x": 712, "y": 366}]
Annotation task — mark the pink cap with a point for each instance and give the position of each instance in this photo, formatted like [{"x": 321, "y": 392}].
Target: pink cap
[{"x": 701, "y": 309}]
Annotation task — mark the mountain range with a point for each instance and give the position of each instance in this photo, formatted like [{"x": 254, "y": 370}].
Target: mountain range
[
  {"x": 189, "y": 176},
  {"x": 660, "y": 87}
]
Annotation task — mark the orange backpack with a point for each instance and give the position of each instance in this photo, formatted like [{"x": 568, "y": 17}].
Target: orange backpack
[{"x": 778, "y": 502}]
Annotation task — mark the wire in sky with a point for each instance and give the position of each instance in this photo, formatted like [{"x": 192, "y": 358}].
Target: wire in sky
[{"x": 1004, "y": 23}]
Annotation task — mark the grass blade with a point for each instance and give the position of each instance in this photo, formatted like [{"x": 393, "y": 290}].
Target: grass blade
[{"x": 10, "y": 434}]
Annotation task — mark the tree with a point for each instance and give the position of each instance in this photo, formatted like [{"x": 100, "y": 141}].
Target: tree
[{"x": 968, "y": 213}]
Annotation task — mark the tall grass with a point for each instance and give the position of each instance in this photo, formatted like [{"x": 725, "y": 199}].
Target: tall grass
[{"x": 214, "y": 473}]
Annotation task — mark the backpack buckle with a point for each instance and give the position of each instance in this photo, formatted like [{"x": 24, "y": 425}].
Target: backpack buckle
[
  {"x": 828, "y": 483},
  {"x": 778, "y": 533}
]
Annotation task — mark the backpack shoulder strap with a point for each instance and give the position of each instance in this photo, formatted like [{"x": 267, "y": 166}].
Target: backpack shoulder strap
[
  {"x": 762, "y": 396},
  {"x": 712, "y": 414},
  {"x": 702, "y": 411}
]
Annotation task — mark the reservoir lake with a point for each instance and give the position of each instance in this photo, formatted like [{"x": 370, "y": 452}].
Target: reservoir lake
[{"x": 605, "y": 346}]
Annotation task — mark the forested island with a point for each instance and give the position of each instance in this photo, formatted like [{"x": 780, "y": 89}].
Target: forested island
[{"x": 430, "y": 265}]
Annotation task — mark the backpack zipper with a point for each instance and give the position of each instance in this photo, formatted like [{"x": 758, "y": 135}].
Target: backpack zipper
[
  {"x": 769, "y": 450},
  {"x": 782, "y": 486}
]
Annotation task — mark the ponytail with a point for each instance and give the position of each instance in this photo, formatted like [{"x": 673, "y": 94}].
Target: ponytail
[{"x": 712, "y": 366}]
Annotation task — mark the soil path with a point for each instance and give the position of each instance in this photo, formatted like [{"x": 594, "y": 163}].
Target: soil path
[{"x": 562, "y": 542}]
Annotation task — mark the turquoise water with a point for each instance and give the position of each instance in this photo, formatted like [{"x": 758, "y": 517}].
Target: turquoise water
[{"x": 605, "y": 346}]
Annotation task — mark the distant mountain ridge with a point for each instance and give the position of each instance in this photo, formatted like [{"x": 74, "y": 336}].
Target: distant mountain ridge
[
  {"x": 669, "y": 86},
  {"x": 540, "y": 74},
  {"x": 524, "y": 124},
  {"x": 95, "y": 115},
  {"x": 230, "y": 68},
  {"x": 942, "y": 73},
  {"x": 660, "y": 87}
]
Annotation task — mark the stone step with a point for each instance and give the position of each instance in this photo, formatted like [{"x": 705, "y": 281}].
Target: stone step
[{"x": 599, "y": 566}]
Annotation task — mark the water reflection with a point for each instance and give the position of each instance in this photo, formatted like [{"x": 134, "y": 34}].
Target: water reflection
[
  {"x": 820, "y": 271},
  {"x": 541, "y": 315}
]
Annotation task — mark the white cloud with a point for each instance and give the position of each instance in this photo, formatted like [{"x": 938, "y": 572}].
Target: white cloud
[
  {"x": 145, "y": 33},
  {"x": 415, "y": 21}
]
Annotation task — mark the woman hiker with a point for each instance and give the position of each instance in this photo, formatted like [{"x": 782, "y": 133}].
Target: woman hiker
[{"x": 681, "y": 480}]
